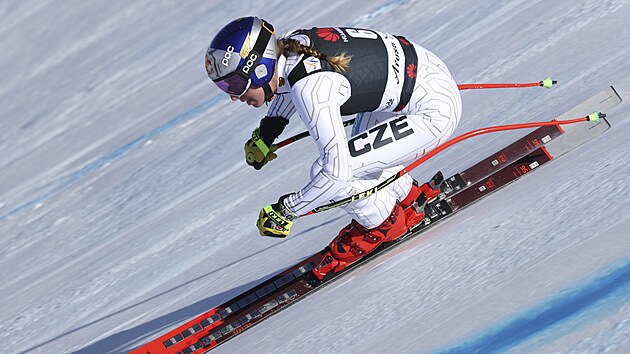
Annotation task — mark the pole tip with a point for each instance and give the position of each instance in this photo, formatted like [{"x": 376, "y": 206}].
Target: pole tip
[
  {"x": 596, "y": 116},
  {"x": 548, "y": 82}
]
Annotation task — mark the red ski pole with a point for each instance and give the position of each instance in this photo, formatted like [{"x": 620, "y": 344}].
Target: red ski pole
[
  {"x": 547, "y": 83},
  {"x": 593, "y": 117},
  {"x": 302, "y": 135}
]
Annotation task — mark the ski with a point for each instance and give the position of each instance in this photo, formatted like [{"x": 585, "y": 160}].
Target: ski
[{"x": 526, "y": 154}]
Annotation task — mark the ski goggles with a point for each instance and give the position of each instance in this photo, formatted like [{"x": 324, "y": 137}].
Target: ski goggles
[
  {"x": 239, "y": 81},
  {"x": 234, "y": 84}
]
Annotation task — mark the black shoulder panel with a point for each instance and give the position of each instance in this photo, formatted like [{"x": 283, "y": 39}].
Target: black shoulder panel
[
  {"x": 367, "y": 72},
  {"x": 299, "y": 71}
]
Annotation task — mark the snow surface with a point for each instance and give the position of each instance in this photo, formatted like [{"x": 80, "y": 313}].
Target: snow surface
[{"x": 126, "y": 207}]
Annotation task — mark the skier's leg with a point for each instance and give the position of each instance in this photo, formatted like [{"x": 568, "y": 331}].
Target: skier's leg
[
  {"x": 383, "y": 143},
  {"x": 380, "y": 217},
  {"x": 386, "y": 144}
]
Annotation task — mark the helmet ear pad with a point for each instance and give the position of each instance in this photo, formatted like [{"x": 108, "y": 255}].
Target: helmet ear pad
[{"x": 263, "y": 73}]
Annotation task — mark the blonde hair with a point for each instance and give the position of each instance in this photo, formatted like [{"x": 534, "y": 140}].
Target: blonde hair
[{"x": 339, "y": 62}]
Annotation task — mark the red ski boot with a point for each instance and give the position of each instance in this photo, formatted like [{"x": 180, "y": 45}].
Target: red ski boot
[
  {"x": 355, "y": 241},
  {"x": 418, "y": 196}
]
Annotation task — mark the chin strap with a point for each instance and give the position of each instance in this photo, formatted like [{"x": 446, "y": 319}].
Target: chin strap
[{"x": 269, "y": 94}]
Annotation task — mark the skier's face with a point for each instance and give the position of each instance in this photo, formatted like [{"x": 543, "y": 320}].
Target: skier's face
[{"x": 254, "y": 96}]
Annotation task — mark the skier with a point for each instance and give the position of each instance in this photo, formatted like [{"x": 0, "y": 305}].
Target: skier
[{"x": 405, "y": 99}]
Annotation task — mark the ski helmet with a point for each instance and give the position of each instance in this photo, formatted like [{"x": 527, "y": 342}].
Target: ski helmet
[{"x": 242, "y": 54}]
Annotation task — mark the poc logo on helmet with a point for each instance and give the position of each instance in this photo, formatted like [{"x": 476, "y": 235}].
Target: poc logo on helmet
[
  {"x": 250, "y": 62},
  {"x": 227, "y": 56}
]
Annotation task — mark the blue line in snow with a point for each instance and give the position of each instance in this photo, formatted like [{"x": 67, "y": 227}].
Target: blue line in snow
[
  {"x": 106, "y": 159},
  {"x": 548, "y": 314}
]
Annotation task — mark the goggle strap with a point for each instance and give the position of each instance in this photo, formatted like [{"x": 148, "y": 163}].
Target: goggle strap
[
  {"x": 269, "y": 94},
  {"x": 264, "y": 36}
]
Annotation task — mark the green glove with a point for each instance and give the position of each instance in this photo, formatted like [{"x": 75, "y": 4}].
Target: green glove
[
  {"x": 260, "y": 148},
  {"x": 275, "y": 220},
  {"x": 257, "y": 153}
]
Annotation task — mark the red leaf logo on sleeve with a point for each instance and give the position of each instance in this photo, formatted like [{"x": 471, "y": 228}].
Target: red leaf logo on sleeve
[
  {"x": 403, "y": 41},
  {"x": 328, "y": 34},
  {"x": 411, "y": 71}
]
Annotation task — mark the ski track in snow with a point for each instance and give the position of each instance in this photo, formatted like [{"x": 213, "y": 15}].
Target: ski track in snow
[{"x": 126, "y": 208}]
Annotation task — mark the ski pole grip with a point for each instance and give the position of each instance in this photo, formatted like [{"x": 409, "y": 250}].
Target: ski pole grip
[
  {"x": 250, "y": 158},
  {"x": 259, "y": 142}
]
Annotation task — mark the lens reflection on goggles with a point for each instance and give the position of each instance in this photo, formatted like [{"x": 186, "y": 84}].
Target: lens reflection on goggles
[{"x": 235, "y": 85}]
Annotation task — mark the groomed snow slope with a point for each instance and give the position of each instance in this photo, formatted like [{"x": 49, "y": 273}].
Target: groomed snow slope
[{"x": 126, "y": 207}]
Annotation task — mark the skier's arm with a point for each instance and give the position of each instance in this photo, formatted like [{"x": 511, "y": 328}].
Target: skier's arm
[
  {"x": 259, "y": 152},
  {"x": 281, "y": 106},
  {"x": 280, "y": 111},
  {"x": 259, "y": 149},
  {"x": 318, "y": 99}
]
